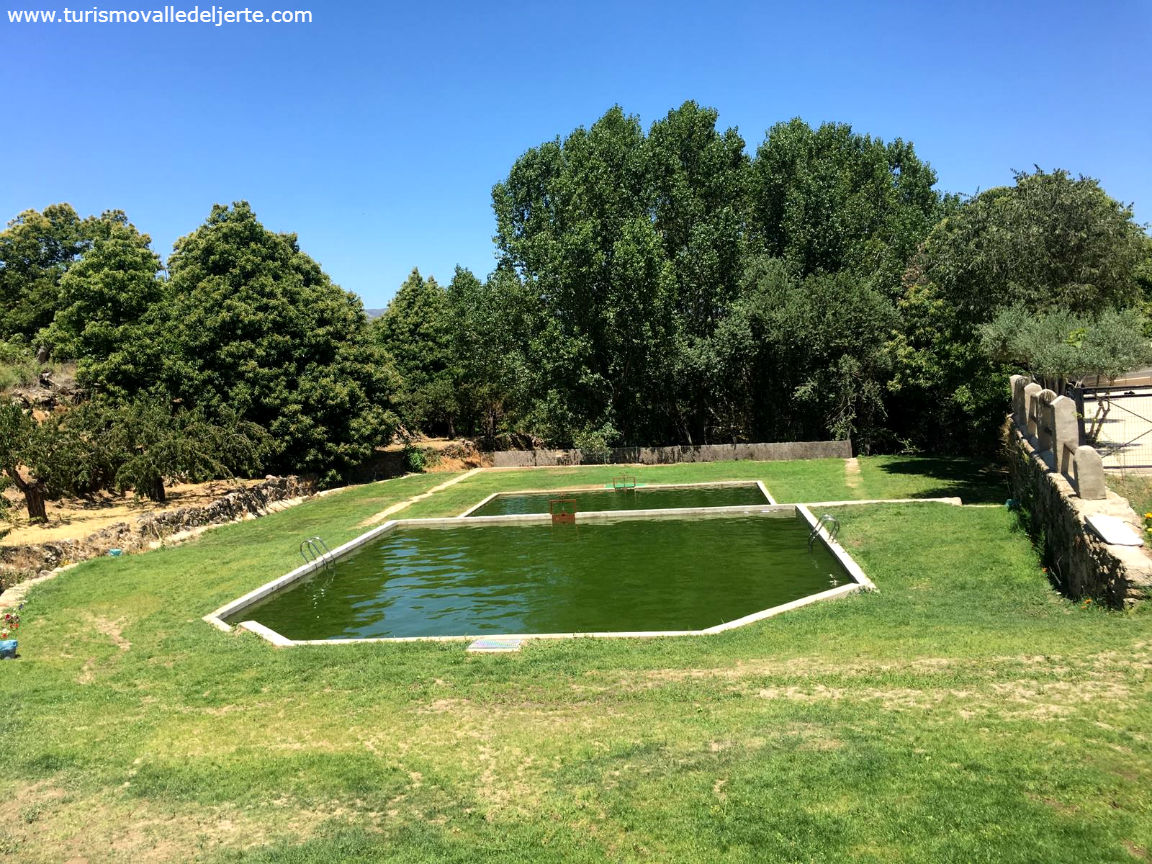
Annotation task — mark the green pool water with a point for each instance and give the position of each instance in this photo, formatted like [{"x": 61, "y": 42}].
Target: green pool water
[
  {"x": 480, "y": 578},
  {"x": 642, "y": 498}
]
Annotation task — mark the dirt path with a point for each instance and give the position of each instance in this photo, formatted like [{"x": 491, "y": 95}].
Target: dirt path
[
  {"x": 76, "y": 519},
  {"x": 852, "y": 473},
  {"x": 377, "y": 518}
]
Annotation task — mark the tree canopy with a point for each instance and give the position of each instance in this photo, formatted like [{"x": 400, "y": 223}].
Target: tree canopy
[
  {"x": 415, "y": 332},
  {"x": 1049, "y": 244},
  {"x": 36, "y": 250},
  {"x": 107, "y": 307},
  {"x": 641, "y": 257},
  {"x": 258, "y": 329},
  {"x": 652, "y": 286}
]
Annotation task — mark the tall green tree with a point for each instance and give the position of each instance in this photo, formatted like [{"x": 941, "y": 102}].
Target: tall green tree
[
  {"x": 108, "y": 305},
  {"x": 258, "y": 329},
  {"x": 574, "y": 223},
  {"x": 489, "y": 327},
  {"x": 831, "y": 200},
  {"x": 36, "y": 249},
  {"x": 802, "y": 358},
  {"x": 1050, "y": 243},
  {"x": 415, "y": 331},
  {"x": 699, "y": 194}
]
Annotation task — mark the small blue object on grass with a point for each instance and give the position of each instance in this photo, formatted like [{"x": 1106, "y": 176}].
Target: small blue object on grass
[
  {"x": 8, "y": 649},
  {"x": 115, "y": 553}
]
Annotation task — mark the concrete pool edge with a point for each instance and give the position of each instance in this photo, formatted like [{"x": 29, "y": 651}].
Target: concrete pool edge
[{"x": 862, "y": 582}]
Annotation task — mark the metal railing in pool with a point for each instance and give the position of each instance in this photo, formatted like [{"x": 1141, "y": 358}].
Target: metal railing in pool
[
  {"x": 314, "y": 549},
  {"x": 833, "y": 528}
]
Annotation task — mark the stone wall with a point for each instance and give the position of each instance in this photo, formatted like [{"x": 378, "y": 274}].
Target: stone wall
[
  {"x": 18, "y": 563},
  {"x": 669, "y": 455},
  {"x": 1059, "y": 484}
]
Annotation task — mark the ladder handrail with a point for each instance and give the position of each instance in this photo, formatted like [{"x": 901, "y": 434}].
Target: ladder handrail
[
  {"x": 833, "y": 530},
  {"x": 314, "y": 545}
]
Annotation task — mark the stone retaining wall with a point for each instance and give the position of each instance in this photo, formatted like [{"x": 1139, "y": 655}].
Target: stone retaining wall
[
  {"x": 1059, "y": 485},
  {"x": 669, "y": 455},
  {"x": 18, "y": 563}
]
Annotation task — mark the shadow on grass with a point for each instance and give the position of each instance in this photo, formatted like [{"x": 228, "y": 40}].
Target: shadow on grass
[{"x": 974, "y": 482}]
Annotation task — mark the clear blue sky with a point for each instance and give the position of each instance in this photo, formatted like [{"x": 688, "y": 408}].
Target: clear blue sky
[{"x": 376, "y": 132}]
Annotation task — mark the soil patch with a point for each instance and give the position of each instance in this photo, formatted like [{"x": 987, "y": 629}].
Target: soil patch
[{"x": 75, "y": 518}]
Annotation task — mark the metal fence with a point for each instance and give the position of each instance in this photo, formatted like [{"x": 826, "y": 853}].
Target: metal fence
[{"x": 1124, "y": 440}]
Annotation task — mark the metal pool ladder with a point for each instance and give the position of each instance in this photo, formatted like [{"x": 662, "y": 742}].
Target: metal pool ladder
[
  {"x": 833, "y": 528},
  {"x": 314, "y": 549}
]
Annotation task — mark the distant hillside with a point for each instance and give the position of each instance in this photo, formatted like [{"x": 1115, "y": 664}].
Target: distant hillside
[{"x": 374, "y": 313}]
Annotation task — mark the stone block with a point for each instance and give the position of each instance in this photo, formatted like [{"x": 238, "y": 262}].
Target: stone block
[
  {"x": 1045, "y": 421},
  {"x": 1089, "y": 468},
  {"x": 1065, "y": 433},
  {"x": 1019, "y": 405},
  {"x": 1032, "y": 409}
]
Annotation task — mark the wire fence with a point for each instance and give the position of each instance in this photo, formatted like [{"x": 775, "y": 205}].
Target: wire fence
[{"x": 1124, "y": 439}]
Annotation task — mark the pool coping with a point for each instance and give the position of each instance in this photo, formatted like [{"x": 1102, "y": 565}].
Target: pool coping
[
  {"x": 708, "y": 485},
  {"x": 862, "y": 583}
]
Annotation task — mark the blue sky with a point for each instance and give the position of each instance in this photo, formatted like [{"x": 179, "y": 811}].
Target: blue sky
[{"x": 376, "y": 132}]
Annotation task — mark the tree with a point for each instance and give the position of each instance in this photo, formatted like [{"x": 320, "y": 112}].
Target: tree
[
  {"x": 574, "y": 223},
  {"x": 1061, "y": 347},
  {"x": 36, "y": 250},
  {"x": 489, "y": 323},
  {"x": 257, "y": 328},
  {"x": 1050, "y": 243},
  {"x": 831, "y": 200},
  {"x": 39, "y": 457},
  {"x": 108, "y": 302},
  {"x": 633, "y": 250},
  {"x": 805, "y": 358},
  {"x": 699, "y": 199},
  {"x": 414, "y": 331},
  {"x": 155, "y": 442}
]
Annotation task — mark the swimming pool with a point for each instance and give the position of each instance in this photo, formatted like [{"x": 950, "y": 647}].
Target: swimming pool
[
  {"x": 610, "y": 573},
  {"x": 643, "y": 497}
]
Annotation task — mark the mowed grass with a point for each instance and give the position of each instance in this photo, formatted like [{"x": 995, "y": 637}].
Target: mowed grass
[
  {"x": 965, "y": 712},
  {"x": 787, "y": 482}
]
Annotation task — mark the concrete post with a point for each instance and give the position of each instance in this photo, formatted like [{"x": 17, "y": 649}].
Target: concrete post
[
  {"x": 1019, "y": 405},
  {"x": 1032, "y": 409},
  {"x": 1045, "y": 422},
  {"x": 1066, "y": 434},
  {"x": 1090, "y": 474}
]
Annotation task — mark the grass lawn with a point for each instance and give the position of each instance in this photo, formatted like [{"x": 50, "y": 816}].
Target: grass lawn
[{"x": 963, "y": 713}]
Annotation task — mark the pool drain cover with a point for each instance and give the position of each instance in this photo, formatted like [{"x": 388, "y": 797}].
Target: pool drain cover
[{"x": 496, "y": 645}]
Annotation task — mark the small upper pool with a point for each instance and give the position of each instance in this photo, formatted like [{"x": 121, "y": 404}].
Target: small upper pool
[{"x": 628, "y": 498}]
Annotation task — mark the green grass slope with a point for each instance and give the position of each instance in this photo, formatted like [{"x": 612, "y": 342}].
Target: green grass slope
[{"x": 963, "y": 713}]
